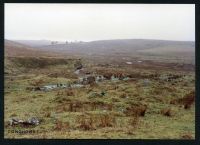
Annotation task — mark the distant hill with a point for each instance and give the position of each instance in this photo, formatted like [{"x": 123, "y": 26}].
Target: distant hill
[
  {"x": 127, "y": 47},
  {"x": 15, "y": 49},
  {"x": 18, "y": 55},
  {"x": 122, "y": 45},
  {"x": 36, "y": 43},
  {"x": 119, "y": 48}
]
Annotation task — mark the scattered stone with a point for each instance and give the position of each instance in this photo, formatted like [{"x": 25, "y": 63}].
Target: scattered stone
[
  {"x": 77, "y": 71},
  {"x": 33, "y": 121},
  {"x": 126, "y": 78},
  {"x": 99, "y": 78},
  {"x": 76, "y": 85},
  {"x": 113, "y": 78},
  {"x": 13, "y": 121},
  {"x": 146, "y": 83},
  {"x": 30, "y": 121},
  {"x": 128, "y": 62},
  {"x": 60, "y": 86}
]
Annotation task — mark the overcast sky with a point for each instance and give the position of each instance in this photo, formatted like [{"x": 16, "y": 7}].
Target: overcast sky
[{"x": 88, "y": 22}]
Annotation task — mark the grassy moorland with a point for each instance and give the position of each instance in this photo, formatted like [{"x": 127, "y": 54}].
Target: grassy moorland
[{"x": 154, "y": 100}]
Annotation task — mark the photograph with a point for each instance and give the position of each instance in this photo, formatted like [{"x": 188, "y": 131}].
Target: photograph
[{"x": 99, "y": 71}]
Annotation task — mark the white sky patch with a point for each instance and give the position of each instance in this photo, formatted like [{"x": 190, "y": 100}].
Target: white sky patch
[{"x": 87, "y": 22}]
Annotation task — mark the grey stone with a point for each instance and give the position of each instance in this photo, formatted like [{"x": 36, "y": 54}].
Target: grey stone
[
  {"x": 33, "y": 121},
  {"x": 30, "y": 121}
]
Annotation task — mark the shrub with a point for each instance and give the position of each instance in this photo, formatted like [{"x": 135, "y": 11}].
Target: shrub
[
  {"x": 61, "y": 125},
  {"x": 85, "y": 123},
  {"x": 187, "y": 100},
  {"x": 107, "y": 120},
  {"x": 187, "y": 136},
  {"x": 136, "y": 110},
  {"x": 166, "y": 112},
  {"x": 69, "y": 93},
  {"x": 107, "y": 75}
]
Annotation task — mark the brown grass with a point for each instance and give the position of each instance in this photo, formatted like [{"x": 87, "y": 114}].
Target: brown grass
[
  {"x": 37, "y": 82},
  {"x": 136, "y": 110},
  {"x": 187, "y": 100},
  {"x": 69, "y": 93},
  {"x": 107, "y": 121},
  {"x": 187, "y": 136},
  {"x": 134, "y": 121},
  {"x": 61, "y": 125},
  {"x": 166, "y": 112},
  {"x": 47, "y": 114},
  {"x": 85, "y": 123}
]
